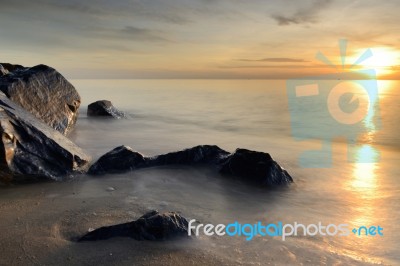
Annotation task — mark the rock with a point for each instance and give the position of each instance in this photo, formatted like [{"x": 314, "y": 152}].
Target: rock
[
  {"x": 123, "y": 158},
  {"x": 104, "y": 108},
  {"x": 120, "y": 159},
  {"x": 251, "y": 166},
  {"x": 151, "y": 226},
  {"x": 44, "y": 92},
  {"x": 205, "y": 154},
  {"x": 255, "y": 167},
  {"x": 30, "y": 149}
]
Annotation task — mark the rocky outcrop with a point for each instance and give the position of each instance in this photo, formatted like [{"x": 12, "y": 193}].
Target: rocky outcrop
[
  {"x": 251, "y": 166},
  {"x": 104, "y": 108},
  {"x": 30, "y": 149},
  {"x": 44, "y": 92},
  {"x": 151, "y": 226}
]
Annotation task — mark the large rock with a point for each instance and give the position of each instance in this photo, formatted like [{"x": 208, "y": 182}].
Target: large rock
[
  {"x": 251, "y": 166},
  {"x": 256, "y": 167},
  {"x": 44, "y": 92},
  {"x": 151, "y": 226},
  {"x": 104, "y": 108},
  {"x": 30, "y": 149}
]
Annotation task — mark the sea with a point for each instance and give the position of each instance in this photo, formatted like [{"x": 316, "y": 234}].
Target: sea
[{"x": 173, "y": 114}]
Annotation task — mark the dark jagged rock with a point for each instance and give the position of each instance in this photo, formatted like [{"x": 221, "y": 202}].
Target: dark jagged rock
[
  {"x": 104, "y": 108},
  {"x": 123, "y": 158},
  {"x": 151, "y": 226},
  {"x": 30, "y": 149},
  {"x": 44, "y": 92},
  {"x": 255, "y": 167},
  {"x": 251, "y": 166},
  {"x": 120, "y": 159},
  {"x": 206, "y": 154}
]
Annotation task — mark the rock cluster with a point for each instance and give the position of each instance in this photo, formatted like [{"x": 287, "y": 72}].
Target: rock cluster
[
  {"x": 38, "y": 106},
  {"x": 251, "y": 166}
]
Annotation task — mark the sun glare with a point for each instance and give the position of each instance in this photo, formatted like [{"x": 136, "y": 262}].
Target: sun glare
[
  {"x": 382, "y": 57},
  {"x": 364, "y": 176},
  {"x": 382, "y": 60}
]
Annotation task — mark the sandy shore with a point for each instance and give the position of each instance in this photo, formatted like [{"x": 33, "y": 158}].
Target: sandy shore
[{"x": 40, "y": 222}]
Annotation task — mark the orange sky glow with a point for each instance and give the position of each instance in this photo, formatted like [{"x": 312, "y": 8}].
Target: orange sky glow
[{"x": 215, "y": 39}]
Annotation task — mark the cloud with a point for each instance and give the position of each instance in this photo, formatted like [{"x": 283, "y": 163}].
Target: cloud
[
  {"x": 155, "y": 11},
  {"x": 143, "y": 34},
  {"x": 276, "y": 60},
  {"x": 303, "y": 15},
  {"x": 275, "y": 66}
]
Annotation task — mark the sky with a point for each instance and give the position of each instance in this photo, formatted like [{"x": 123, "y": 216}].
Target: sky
[{"x": 200, "y": 38}]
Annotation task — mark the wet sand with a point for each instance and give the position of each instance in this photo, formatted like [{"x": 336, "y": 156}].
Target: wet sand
[{"x": 40, "y": 222}]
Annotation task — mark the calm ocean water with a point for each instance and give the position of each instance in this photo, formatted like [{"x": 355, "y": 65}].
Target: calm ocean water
[{"x": 168, "y": 115}]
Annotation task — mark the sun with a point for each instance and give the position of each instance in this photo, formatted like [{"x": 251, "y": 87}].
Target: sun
[{"x": 383, "y": 59}]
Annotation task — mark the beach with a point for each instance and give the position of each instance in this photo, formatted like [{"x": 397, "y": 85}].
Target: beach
[{"x": 42, "y": 221}]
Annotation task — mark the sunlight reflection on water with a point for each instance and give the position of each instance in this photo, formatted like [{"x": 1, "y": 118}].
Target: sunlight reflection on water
[{"x": 171, "y": 115}]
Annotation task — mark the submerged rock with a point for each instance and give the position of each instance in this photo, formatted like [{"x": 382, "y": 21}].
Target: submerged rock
[
  {"x": 30, "y": 149},
  {"x": 251, "y": 166},
  {"x": 104, "y": 108},
  {"x": 44, "y": 92},
  {"x": 151, "y": 226}
]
